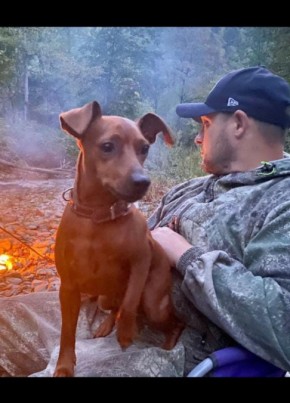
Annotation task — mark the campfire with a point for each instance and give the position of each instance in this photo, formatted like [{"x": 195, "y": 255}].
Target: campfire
[
  {"x": 29, "y": 218},
  {"x": 23, "y": 272},
  {"x": 5, "y": 262}
]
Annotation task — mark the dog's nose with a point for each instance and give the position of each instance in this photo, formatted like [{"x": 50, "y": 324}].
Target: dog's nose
[{"x": 140, "y": 180}]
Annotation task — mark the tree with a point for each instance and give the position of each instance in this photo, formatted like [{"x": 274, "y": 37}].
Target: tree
[{"x": 122, "y": 56}]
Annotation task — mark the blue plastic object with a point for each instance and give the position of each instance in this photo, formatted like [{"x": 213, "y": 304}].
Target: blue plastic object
[{"x": 236, "y": 362}]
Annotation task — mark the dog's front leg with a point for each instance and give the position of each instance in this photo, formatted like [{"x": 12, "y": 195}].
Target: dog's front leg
[
  {"x": 70, "y": 306},
  {"x": 127, "y": 315}
]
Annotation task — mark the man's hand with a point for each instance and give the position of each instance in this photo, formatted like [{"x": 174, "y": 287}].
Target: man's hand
[{"x": 173, "y": 244}]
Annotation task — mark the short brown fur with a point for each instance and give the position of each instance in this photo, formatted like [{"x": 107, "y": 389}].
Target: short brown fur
[{"x": 113, "y": 258}]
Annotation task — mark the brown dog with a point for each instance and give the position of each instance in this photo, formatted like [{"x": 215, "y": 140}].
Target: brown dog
[{"x": 103, "y": 246}]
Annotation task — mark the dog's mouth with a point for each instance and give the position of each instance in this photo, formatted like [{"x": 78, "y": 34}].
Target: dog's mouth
[
  {"x": 131, "y": 189},
  {"x": 129, "y": 196}
]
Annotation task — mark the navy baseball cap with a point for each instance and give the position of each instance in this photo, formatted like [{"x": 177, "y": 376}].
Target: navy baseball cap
[{"x": 255, "y": 90}]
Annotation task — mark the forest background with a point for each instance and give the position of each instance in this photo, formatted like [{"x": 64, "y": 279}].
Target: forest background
[{"x": 129, "y": 71}]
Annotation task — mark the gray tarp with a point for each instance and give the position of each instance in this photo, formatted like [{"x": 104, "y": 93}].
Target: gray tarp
[{"x": 29, "y": 342}]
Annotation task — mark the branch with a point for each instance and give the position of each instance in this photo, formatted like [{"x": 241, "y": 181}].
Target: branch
[{"x": 57, "y": 172}]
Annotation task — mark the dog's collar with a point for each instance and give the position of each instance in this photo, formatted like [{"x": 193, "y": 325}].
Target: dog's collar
[{"x": 97, "y": 215}]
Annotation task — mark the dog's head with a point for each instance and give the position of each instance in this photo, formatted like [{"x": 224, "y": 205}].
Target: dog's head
[{"x": 114, "y": 148}]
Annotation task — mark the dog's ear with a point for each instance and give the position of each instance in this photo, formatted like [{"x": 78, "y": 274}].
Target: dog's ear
[
  {"x": 76, "y": 121},
  {"x": 151, "y": 124}
]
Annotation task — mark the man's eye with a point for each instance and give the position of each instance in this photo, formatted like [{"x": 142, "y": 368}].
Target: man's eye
[{"x": 107, "y": 147}]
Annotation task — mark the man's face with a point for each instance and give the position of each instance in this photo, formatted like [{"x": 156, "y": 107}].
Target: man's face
[{"x": 214, "y": 140}]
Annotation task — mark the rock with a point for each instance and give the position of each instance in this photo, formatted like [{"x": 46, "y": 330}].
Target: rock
[
  {"x": 14, "y": 280},
  {"x": 41, "y": 287},
  {"x": 33, "y": 227}
]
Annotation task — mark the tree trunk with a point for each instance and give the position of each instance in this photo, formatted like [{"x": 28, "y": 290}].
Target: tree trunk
[
  {"x": 26, "y": 94},
  {"x": 7, "y": 166}
]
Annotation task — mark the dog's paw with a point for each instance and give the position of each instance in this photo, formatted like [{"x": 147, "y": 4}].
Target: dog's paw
[
  {"x": 106, "y": 326},
  {"x": 127, "y": 331},
  {"x": 62, "y": 371},
  {"x": 172, "y": 337},
  {"x": 124, "y": 341}
]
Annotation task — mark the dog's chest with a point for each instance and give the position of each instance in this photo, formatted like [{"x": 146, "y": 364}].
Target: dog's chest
[
  {"x": 101, "y": 268},
  {"x": 99, "y": 258}
]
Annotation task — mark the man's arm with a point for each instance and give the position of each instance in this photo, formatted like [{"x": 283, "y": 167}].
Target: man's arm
[
  {"x": 167, "y": 238},
  {"x": 249, "y": 300}
]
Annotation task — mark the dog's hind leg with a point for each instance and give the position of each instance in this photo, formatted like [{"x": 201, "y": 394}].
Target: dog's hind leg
[
  {"x": 157, "y": 303},
  {"x": 127, "y": 328}
]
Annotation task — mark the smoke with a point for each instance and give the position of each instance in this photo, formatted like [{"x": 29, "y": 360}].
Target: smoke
[
  {"x": 128, "y": 70},
  {"x": 35, "y": 144}
]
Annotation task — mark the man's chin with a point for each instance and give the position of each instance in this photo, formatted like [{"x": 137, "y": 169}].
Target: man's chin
[
  {"x": 214, "y": 170},
  {"x": 206, "y": 167}
]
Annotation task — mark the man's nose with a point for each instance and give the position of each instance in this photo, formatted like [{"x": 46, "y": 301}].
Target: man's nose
[{"x": 198, "y": 139}]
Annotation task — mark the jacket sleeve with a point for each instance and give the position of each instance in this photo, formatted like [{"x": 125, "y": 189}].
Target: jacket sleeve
[
  {"x": 154, "y": 219},
  {"x": 250, "y": 300},
  {"x": 195, "y": 185}
]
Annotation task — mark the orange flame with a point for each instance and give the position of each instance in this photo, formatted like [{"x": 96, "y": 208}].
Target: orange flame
[{"x": 5, "y": 262}]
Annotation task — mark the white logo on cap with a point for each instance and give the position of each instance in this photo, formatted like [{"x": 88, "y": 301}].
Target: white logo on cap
[{"x": 232, "y": 102}]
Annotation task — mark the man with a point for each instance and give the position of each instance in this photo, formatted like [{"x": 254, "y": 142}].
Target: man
[
  {"x": 228, "y": 235},
  {"x": 232, "y": 239}
]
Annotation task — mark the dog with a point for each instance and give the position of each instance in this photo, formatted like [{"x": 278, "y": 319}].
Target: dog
[{"x": 103, "y": 245}]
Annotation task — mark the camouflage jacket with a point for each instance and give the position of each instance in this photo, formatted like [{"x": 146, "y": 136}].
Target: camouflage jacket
[{"x": 237, "y": 272}]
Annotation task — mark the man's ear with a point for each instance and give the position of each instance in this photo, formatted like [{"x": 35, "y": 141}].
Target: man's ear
[
  {"x": 76, "y": 121},
  {"x": 241, "y": 121}
]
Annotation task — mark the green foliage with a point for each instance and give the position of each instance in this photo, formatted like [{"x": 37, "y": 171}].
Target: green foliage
[
  {"x": 130, "y": 71},
  {"x": 175, "y": 164},
  {"x": 287, "y": 142},
  {"x": 184, "y": 163},
  {"x": 122, "y": 56},
  {"x": 8, "y": 43}
]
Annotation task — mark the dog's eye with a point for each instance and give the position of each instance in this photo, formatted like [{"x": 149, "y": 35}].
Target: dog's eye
[
  {"x": 145, "y": 149},
  {"x": 107, "y": 147}
]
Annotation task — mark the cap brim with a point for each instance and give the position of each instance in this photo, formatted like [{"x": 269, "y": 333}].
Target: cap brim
[{"x": 194, "y": 111}]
